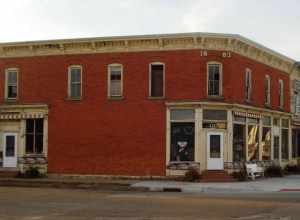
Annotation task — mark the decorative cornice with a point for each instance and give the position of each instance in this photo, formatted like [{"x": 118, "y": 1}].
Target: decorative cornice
[{"x": 204, "y": 41}]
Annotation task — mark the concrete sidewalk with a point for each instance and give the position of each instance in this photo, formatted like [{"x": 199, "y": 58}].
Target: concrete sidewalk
[
  {"x": 79, "y": 182},
  {"x": 288, "y": 183}
]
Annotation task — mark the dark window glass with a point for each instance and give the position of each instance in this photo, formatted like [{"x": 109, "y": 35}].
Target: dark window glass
[
  {"x": 75, "y": 82},
  {"x": 29, "y": 143},
  {"x": 239, "y": 140},
  {"x": 157, "y": 81},
  {"x": 285, "y": 144},
  {"x": 214, "y": 79},
  {"x": 12, "y": 82},
  {"x": 34, "y": 136},
  {"x": 39, "y": 123},
  {"x": 29, "y": 126},
  {"x": 182, "y": 141},
  {"x": 215, "y": 146},
  {"x": 10, "y": 146},
  {"x": 214, "y": 114},
  {"x": 276, "y": 147},
  {"x": 38, "y": 143},
  {"x": 115, "y": 80},
  {"x": 12, "y": 91}
]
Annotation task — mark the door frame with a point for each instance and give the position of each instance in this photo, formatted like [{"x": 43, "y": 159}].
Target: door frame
[
  {"x": 215, "y": 164},
  {"x": 12, "y": 162}
]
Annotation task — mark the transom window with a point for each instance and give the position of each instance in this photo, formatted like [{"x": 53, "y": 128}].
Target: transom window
[
  {"x": 248, "y": 85},
  {"x": 157, "y": 79},
  {"x": 34, "y": 136},
  {"x": 75, "y": 82},
  {"x": 11, "y": 87},
  {"x": 267, "y": 90},
  {"x": 115, "y": 80},
  {"x": 214, "y": 79}
]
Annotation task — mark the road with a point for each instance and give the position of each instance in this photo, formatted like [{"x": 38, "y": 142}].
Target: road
[{"x": 58, "y": 204}]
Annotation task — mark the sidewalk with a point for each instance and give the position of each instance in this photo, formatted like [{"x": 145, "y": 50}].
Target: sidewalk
[
  {"x": 80, "y": 182},
  {"x": 288, "y": 183}
]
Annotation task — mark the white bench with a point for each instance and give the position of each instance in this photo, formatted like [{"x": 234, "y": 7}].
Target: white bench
[{"x": 253, "y": 171}]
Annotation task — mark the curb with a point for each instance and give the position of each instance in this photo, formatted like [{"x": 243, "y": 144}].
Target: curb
[{"x": 110, "y": 186}]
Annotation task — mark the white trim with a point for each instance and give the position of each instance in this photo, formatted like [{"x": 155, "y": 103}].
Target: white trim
[
  {"x": 7, "y": 71},
  {"x": 220, "y": 78},
  {"x": 149, "y": 79},
  {"x": 109, "y": 79},
  {"x": 69, "y": 81}
]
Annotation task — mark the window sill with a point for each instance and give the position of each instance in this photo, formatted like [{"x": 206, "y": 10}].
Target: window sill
[
  {"x": 115, "y": 98},
  {"x": 10, "y": 100},
  {"x": 74, "y": 99},
  {"x": 156, "y": 98},
  {"x": 212, "y": 97},
  {"x": 267, "y": 105}
]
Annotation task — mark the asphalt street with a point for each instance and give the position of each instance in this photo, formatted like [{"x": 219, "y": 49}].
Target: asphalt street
[{"x": 48, "y": 203}]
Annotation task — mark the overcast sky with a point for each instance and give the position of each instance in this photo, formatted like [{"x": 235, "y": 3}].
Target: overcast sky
[{"x": 273, "y": 23}]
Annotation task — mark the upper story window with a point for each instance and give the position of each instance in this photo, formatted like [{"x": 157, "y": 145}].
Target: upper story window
[
  {"x": 281, "y": 93},
  {"x": 75, "y": 82},
  {"x": 214, "y": 79},
  {"x": 267, "y": 90},
  {"x": 115, "y": 80},
  {"x": 248, "y": 85},
  {"x": 157, "y": 78},
  {"x": 11, "y": 84}
]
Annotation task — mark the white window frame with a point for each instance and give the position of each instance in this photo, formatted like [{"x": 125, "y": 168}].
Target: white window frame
[
  {"x": 220, "y": 78},
  {"x": 268, "y": 90},
  {"x": 109, "y": 95},
  {"x": 6, "y": 83},
  {"x": 164, "y": 76},
  {"x": 69, "y": 81},
  {"x": 248, "y": 88},
  {"x": 281, "y": 93}
]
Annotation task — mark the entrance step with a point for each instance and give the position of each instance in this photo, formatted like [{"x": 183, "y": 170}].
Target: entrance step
[
  {"x": 216, "y": 176},
  {"x": 8, "y": 172}
]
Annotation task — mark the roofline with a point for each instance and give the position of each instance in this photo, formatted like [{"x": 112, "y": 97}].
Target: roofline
[{"x": 151, "y": 36}]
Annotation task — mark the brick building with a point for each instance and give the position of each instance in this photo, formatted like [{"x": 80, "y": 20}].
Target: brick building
[{"x": 143, "y": 105}]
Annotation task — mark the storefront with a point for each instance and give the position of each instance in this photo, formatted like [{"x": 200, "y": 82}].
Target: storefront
[
  {"x": 23, "y": 137},
  {"x": 218, "y": 136}
]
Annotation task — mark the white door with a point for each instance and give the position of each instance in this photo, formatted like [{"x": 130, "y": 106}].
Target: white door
[
  {"x": 10, "y": 150},
  {"x": 215, "y": 160}
]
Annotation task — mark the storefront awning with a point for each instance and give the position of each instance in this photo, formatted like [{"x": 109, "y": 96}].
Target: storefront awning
[
  {"x": 247, "y": 114},
  {"x": 7, "y": 116}
]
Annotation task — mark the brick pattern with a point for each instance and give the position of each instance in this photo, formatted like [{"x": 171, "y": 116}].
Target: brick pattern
[{"x": 125, "y": 137}]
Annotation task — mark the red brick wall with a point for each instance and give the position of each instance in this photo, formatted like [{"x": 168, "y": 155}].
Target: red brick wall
[{"x": 100, "y": 136}]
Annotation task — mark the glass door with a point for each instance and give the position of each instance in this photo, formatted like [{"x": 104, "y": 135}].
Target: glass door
[{"x": 215, "y": 159}]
